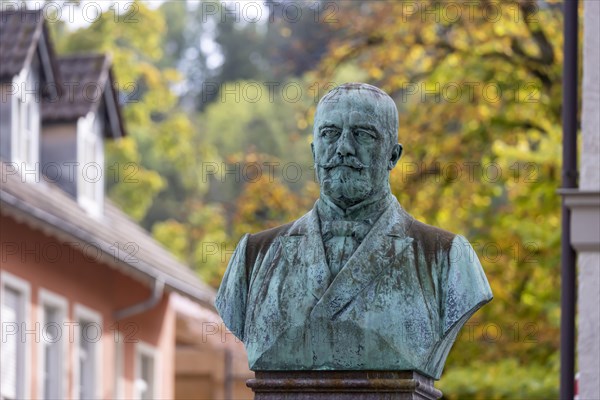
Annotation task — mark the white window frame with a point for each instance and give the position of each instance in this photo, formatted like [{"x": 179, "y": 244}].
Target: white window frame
[
  {"x": 25, "y": 109},
  {"x": 119, "y": 367},
  {"x": 145, "y": 349},
  {"x": 83, "y": 313},
  {"x": 48, "y": 298},
  {"x": 89, "y": 130},
  {"x": 24, "y": 288}
]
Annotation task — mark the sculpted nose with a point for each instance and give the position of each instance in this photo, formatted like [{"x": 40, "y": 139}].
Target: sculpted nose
[{"x": 345, "y": 146}]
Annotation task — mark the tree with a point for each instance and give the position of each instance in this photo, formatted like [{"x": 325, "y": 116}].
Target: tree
[
  {"x": 479, "y": 87},
  {"x": 298, "y": 34}
]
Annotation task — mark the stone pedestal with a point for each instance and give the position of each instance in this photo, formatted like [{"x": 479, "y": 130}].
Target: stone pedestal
[{"x": 342, "y": 385}]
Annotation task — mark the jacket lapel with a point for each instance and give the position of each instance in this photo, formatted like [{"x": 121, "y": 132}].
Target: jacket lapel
[
  {"x": 384, "y": 243},
  {"x": 302, "y": 248}
]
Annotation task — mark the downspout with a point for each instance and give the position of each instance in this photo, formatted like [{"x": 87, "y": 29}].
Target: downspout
[
  {"x": 157, "y": 292},
  {"x": 228, "y": 378},
  {"x": 569, "y": 181}
]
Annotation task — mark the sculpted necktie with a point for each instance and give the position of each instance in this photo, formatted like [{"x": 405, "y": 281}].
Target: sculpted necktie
[{"x": 341, "y": 239}]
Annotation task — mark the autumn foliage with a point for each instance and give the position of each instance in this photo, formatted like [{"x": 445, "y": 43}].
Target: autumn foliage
[{"x": 478, "y": 87}]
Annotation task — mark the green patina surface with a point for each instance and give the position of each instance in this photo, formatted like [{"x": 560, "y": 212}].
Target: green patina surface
[{"x": 356, "y": 283}]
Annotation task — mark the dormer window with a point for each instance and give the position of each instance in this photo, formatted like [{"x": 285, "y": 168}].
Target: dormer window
[
  {"x": 26, "y": 68},
  {"x": 90, "y": 163},
  {"x": 76, "y": 125}
]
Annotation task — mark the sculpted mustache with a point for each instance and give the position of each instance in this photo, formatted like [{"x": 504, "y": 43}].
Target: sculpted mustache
[{"x": 344, "y": 162}]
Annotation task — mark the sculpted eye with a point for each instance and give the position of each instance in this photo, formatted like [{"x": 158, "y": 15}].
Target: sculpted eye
[
  {"x": 364, "y": 135},
  {"x": 330, "y": 133}
]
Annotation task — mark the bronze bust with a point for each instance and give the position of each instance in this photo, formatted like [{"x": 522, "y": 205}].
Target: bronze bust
[{"x": 356, "y": 283}]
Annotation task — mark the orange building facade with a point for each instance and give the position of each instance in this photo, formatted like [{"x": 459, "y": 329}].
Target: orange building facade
[{"x": 68, "y": 297}]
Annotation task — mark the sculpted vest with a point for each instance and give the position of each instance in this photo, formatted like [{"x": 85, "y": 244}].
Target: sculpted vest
[{"x": 397, "y": 304}]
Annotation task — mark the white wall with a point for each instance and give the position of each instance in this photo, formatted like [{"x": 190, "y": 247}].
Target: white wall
[{"x": 588, "y": 340}]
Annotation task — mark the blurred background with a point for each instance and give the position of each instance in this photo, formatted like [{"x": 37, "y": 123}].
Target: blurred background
[{"x": 218, "y": 100}]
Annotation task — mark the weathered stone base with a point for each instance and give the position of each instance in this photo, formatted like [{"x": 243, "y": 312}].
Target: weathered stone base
[{"x": 342, "y": 385}]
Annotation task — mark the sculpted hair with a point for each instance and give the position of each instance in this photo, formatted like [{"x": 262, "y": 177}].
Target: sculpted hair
[{"x": 388, "y": 117}]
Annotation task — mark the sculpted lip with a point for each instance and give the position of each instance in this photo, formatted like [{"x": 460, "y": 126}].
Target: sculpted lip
[
  {"x": 351, "y": 163},
  {"x": 344, "y": 166}
]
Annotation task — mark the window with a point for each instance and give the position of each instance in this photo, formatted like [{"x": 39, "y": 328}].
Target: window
[
  {"x": 87, "y": 364},
  {"x": 5, "y": 124},
  {"x": 146, "y": 382},
  {"x": 53, "y": 345},
  {"x": 18, "y": 121},
  {"x": 14, "y": 304},
  {"x": 26, "y": 123},
  {"x": 90, "y": 157}
]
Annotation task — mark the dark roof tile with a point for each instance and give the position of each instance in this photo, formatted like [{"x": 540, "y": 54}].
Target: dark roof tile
[
  {"x": 85, "y": 77},
  {"x": 20, "y": 35},
  {"x": 83, "y": 80},
  {"x": 19, "y": 32}
]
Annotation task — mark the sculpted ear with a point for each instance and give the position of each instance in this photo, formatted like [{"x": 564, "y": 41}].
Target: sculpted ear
[
  {"x": 396, "y": 154},
  {"x": 312, "y": 149}
]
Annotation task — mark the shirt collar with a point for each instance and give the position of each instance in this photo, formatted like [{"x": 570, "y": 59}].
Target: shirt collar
[{"x": 368, "y": 210}]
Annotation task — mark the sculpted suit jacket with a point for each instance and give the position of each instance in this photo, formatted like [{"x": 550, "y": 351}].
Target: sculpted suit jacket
[{"x": 397, "y": 304}]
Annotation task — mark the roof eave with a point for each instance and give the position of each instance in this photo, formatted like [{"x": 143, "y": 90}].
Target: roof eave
[
  {"x": 113, "y": 109},
  {"x": 63, "y": 230},
  {"x": 48, "y": 63}
]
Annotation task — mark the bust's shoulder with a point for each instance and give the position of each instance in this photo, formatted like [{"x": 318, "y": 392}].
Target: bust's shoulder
[
  {"x": 269, "y": 235},
  {"x": 259, "y": 243},
  {"x": 431, "y": 237}
]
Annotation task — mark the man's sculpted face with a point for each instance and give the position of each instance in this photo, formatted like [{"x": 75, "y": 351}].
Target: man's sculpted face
[{"x": 355, "y": 144}]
